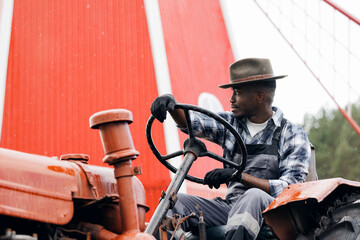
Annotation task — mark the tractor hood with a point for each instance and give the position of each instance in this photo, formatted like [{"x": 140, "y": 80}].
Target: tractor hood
[{"x": 43, "y": 188}]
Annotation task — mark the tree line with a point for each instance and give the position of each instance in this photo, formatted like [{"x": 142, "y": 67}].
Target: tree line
[{"x": 337, "y": 145}]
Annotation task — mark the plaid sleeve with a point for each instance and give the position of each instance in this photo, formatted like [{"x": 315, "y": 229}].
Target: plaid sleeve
[
  {"x": 294, "y": 162},
  {"x": 207, "y": 127}
]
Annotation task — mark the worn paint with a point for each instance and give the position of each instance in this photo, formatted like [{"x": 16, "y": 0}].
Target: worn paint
[
  {"x": 318, "y": 190},
  {"x": 291, "y": 210},
  {"x": 58, "y": 169}
]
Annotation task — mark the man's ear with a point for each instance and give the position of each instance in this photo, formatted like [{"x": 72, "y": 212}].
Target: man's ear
[{"x": 260, "y": 96}]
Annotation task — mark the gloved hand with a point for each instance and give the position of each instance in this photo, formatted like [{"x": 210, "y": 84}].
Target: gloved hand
[
  {"x": 162, "y": 104},
  {"x": 218, "y": 176}
]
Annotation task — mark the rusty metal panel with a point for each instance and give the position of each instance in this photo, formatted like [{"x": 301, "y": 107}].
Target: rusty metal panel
[
  {"x": 36, "y": 187},
  {"x": 43, "y": 189},
  {"x": 69, "y": 59},
  {"x": 297, "y": 202},
  {"x": 316, "y": 189}
]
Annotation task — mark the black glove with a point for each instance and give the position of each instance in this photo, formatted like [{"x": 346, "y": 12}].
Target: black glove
[
  {"x": 162, "y": 104},
  {"x": 218, "y": 176}
]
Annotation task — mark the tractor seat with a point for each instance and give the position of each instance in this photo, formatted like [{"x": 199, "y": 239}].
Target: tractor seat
[{"x": 312, "y": 174}]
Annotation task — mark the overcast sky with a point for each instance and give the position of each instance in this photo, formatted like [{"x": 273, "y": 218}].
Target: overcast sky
[{"x": 255, "y": 36}]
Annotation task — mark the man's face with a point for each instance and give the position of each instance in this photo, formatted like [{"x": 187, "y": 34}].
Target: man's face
[{"x": 243, "y": 101}]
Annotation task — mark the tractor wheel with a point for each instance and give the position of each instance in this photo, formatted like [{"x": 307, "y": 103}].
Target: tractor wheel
[{"x": 342, "y": 221}]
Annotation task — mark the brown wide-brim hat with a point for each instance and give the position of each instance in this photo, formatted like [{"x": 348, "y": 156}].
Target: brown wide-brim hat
[{"x": 250, "y": 70}]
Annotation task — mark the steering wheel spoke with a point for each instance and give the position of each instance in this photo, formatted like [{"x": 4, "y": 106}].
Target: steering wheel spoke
[
  {"x": 220, "y": 159},
  {"x": 188, "y": 124},
  {"x": 172, "y": 155}
]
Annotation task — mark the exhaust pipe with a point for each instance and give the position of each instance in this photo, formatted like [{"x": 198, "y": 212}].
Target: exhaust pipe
[{"x": 120, "y": 152}]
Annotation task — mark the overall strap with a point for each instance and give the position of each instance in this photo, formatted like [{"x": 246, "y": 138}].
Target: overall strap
[{"x": 277, "y": 133}]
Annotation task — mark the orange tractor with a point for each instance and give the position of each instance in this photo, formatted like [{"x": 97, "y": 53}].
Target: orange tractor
[{"x": 66, "y": 198}]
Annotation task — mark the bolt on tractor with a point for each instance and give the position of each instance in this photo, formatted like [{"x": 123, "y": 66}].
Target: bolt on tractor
[{"x": 67, "y": 198}]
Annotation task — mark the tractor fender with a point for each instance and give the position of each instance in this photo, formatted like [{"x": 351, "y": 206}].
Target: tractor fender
[
  {"x": 287, "y": 214},
  {"x": 317, "y": 190}
]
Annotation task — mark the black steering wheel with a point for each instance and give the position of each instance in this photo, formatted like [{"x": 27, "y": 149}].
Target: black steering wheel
[{"x": 193, "y": 142}]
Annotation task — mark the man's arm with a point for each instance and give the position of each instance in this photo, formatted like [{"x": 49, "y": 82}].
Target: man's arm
[
  {"x": 251, "y": 181},
  {"x": 223, "y": 175},
  {"x": 179, "y": 117},
  {"x": 294, "y": 159}
]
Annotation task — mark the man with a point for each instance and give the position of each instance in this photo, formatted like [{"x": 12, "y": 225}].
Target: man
[{"x": 278, "y": 151}]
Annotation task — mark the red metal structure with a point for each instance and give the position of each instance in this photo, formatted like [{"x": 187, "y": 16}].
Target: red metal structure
[
  {"x": 70, "y": 59},
  {"x": 343, "y": 11}
]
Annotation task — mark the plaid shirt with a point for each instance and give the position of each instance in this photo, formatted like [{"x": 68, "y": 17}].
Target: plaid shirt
[{"x": 294, "y": 147}]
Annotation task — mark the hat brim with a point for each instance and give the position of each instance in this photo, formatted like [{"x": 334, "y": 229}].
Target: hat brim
[{"x": 250, "y": 80}]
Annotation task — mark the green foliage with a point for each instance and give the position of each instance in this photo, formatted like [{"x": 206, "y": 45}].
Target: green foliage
[{"x": 337, "y": 145}]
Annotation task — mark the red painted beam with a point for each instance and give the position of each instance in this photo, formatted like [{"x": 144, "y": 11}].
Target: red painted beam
[{"x": 343, "y": 11}]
